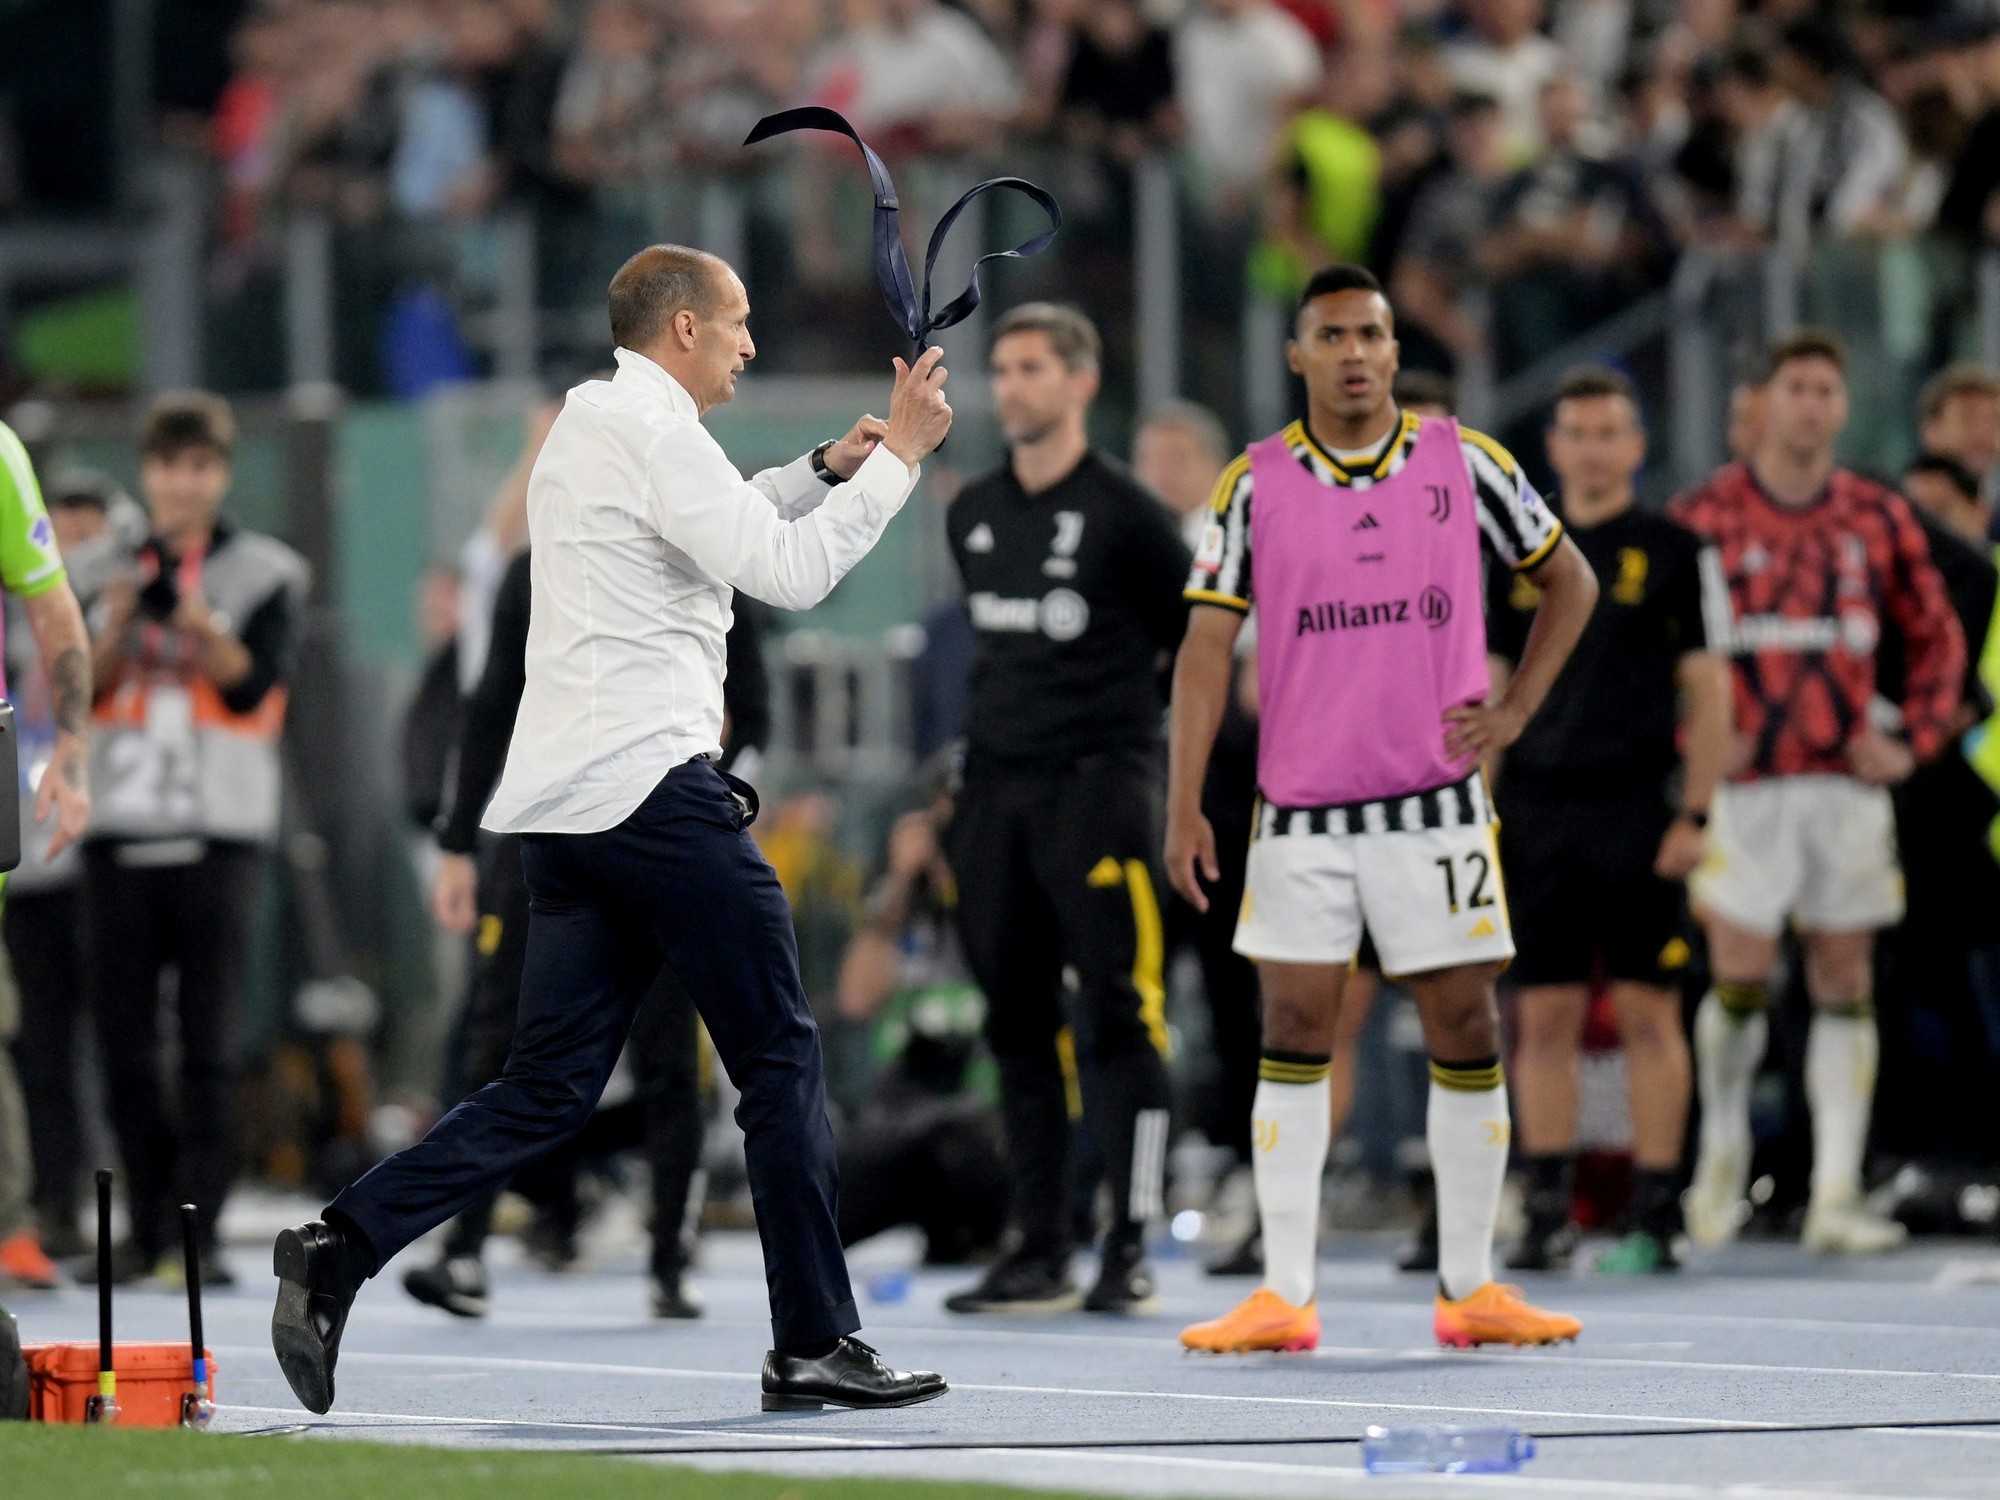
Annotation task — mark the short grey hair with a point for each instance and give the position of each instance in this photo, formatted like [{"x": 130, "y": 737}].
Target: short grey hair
[
  {"x": 1192, "y": 417},
  {"x": 1068, "y": 329},
  {"x": 655, "y": 284}
]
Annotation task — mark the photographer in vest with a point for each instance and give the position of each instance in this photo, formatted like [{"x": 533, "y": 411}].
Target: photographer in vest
[{"x": 192, "y": 649}]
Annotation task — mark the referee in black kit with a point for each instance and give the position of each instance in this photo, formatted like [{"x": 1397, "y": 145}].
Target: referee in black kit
[
  {"x": 636, "y": 847},
  {"x": 1073, "y": 576}
]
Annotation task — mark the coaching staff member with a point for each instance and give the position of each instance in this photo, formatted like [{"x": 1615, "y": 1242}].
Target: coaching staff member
[
  {"x": 635, "y": 847},
  {"x": 1073, "y": 577},
  {"x": 1603, "y": 802}
]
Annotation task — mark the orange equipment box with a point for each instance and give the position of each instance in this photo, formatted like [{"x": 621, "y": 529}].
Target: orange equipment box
[{"x": 152, "y": 1378}]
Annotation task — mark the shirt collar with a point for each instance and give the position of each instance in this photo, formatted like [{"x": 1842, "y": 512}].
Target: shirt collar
[
  {"x": 635, "y": 369},
  {"x": 1373, "y": 462}
]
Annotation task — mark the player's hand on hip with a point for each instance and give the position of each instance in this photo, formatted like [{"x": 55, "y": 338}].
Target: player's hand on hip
[
  {"x": 919, "y": 416},
  {"x": 1878, "y": 759},
  {"x": 455, "y": 893},
  {"x": 847, "y": 454},
  {"x": 1480, "y": 730},
  {"x": 1191, "y": 858},
  {"x": 1682, "y": 849}
]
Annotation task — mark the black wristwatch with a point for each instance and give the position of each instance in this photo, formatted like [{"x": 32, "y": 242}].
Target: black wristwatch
[{"x": 818, "y": 460}]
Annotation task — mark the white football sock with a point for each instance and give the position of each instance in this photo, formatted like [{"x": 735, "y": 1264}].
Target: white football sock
[
  {"x": 1842, "y": 1052},
  {"x": 1728, "y": 1048},
  {"x": 1291, "y": 1125},
  {"x": 1467, "y": 1129}
]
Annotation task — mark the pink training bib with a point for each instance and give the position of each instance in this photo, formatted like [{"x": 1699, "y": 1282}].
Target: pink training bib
[{"x": 1370, "y": 623}]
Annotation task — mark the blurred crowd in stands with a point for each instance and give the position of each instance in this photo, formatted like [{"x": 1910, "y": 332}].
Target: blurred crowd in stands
[{"x": 1513, "y": 169}]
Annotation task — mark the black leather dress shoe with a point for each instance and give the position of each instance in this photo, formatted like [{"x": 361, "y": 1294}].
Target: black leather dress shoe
[
  {"x": 851, "y": 1375},
  {"x": 314, "y": 1295}
]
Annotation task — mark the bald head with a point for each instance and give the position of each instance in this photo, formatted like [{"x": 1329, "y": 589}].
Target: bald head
[{"x": 657, "y": 283}]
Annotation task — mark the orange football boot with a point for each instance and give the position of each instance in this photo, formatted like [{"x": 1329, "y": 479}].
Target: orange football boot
[
  {"x": 23, "y": 1263},
  {"x": 1261, "y": 1321},
  {"x": 1497, "y": 1314}
]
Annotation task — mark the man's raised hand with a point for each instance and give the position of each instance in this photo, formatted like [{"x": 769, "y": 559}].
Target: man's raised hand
[
  {"x": 919, "y": 416},
  {"x": 846, "y": 455}
]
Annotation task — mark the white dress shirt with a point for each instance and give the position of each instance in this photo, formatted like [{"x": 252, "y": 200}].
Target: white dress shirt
[{"x": 642, "y": 531}]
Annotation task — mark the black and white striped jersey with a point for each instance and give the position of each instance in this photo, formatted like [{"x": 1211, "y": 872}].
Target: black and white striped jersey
[
  {"x": 1465, "y": 803},
  {"x": 1515, "y": 523}
]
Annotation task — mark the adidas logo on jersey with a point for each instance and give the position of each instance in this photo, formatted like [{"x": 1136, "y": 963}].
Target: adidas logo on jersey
[
  {"x": 1367, "y": 522},
  {"x": 979, "y": 539}
]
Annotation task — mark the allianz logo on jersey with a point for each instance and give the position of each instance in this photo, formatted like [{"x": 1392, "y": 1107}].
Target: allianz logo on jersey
[
  {"x": 1855, "y": 629},
  {"x": 1432, "y": 606},
  {"x": 1060, "y": 614}
]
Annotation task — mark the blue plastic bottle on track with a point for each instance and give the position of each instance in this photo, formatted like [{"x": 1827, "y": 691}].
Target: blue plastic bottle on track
[
  {"x": 1445, "y": 1450},
  {"x": 889, "y": 1286}
]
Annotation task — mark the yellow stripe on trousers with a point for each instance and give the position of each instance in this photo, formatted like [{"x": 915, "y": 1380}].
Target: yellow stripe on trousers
[
  {"x": 1149, "y": 955},
  {"x": 1072, "y": 1079}
]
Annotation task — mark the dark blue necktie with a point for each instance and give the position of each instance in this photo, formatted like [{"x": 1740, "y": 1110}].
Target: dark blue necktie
[{"x": 911, "y": 308}]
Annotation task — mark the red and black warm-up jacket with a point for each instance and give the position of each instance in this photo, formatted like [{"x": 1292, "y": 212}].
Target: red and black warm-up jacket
[{"x": 1810, "y": 589}]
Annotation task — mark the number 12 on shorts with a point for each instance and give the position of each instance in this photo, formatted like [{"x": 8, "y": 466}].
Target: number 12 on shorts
[{"x": 1478, "y": 872}]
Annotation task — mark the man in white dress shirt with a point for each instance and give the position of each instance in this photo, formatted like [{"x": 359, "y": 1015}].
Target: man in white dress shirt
[{"x": 635, "y": 846}]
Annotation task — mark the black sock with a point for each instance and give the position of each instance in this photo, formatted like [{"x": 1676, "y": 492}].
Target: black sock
[
  {"x": 818, "y": 1350},
  {"x": 356, "y": 1261},
  {"x": 1656, "y": 1202},
  {"x": 1551, "y": 1181},
  {"x": 468, "y": 1232}
]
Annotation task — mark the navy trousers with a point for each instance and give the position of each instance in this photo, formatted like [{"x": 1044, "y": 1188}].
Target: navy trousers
[{"x": 679, "y": 882}]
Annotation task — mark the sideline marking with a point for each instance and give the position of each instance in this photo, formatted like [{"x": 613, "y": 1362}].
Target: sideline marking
[
  {"x": 360, "y": 1421},
  {"x": 1326, "y": 1403},
  {"x": 1521, "y": 1357},
  {"x": 502, "y": 1319}
]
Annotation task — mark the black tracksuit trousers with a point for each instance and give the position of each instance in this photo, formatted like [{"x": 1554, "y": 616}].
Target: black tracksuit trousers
[{"x": 1059, "y": 868}]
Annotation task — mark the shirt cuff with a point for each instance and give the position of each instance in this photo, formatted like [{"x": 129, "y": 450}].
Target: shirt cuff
[
  {"x": 1211, "y": 596},
  {"x": 35, "y": 586},
  {"x": 797, "y": 487},
  {"x": 884, "y": 473},
  {"x": 1541, "y": 554},
  {"x": 454, "y": 835}
]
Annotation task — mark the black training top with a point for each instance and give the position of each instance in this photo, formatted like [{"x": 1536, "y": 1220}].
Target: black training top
[
  {"x": 488, "y": 722},
  {"x": 1609, "y": 724},
  {"x": 1073, "y": 593}
]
